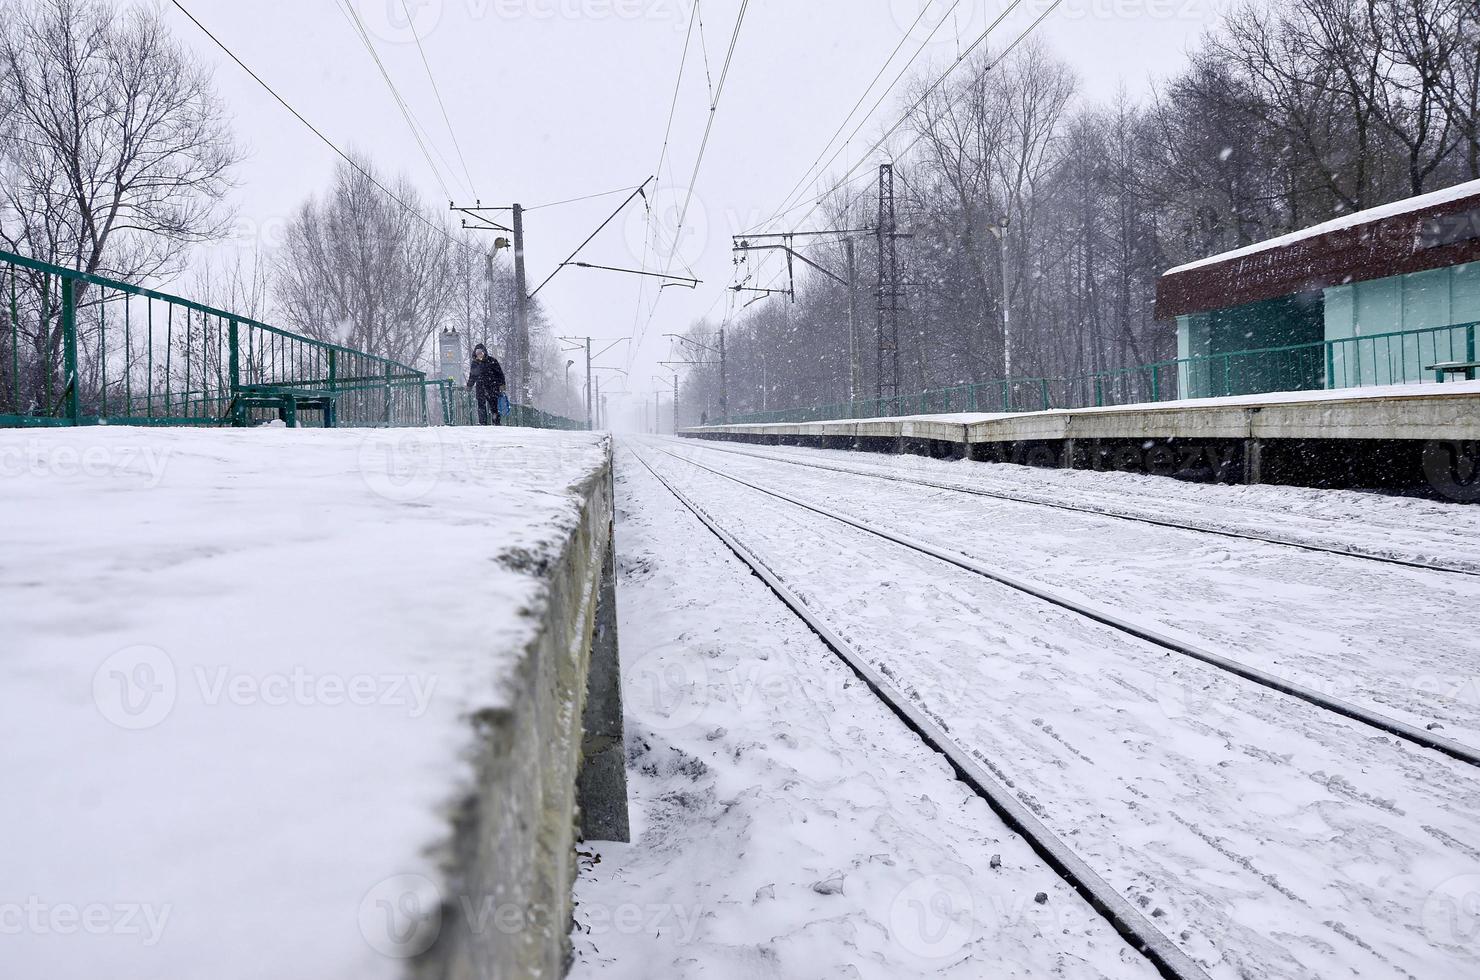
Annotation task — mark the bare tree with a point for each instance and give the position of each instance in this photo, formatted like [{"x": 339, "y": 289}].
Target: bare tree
[
  {"x": 115, "y": 153},
  {"x": 360, "y": 269}
]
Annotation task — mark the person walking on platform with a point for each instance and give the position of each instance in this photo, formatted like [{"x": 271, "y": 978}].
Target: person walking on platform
[{"x": 486, "y": 378}]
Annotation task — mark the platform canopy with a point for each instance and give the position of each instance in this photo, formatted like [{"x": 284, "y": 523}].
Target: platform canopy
[{"x": 1430, "y": 231}]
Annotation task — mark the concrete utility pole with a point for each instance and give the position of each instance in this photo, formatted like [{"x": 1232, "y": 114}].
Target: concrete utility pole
[
  {"x": 675, "y": 404},
  {"x": 516, "y": 358},
  {"x": 855, "y": 368},
  {"x": 521, "y": 307},
  {"x": 1000, "y": 231},
  {"x": 724, "y": 384},
  {"x": 589, "y": 423}
]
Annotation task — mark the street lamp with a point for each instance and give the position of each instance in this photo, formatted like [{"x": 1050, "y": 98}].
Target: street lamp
[{"x": 1000, "y": 231}]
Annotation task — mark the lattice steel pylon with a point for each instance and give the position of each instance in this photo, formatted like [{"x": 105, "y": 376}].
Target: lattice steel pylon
[{"x": 890, "y": 291}]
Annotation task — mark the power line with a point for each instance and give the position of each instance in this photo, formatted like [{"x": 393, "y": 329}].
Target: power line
[
  {"x": 647, "y": 238},
  {"x": 437, "y": 91},
  {"x": 924, "y": 8},
  {"x": 719, "y": 92},
  {"x": 586, "y": 197},
  {"x": 358, "y": 27},
  {"x": 905, "y": 116},
  {"x": 852, "y": 173},
  {"x": 409, "y": 209},
  {"x": 704, "y": 50}
]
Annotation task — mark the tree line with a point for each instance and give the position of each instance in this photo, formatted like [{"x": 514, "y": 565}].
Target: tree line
[{"x": 1286, "y": 115}]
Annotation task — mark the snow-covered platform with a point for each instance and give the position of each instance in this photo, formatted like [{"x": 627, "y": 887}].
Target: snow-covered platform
[
  {"x": 302, "y": 702},
  {"x": 1285, "y": 437}
]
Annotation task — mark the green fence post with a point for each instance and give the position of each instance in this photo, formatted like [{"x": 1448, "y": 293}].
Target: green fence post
[
  {"x": 1043, "y": 392},
  {"x": 331, "y": 414},
  {"x": 69, "y": 351},
  {"x": 234, "y": 372},
  {"x": 1470, "y": 349},
  {"x": 1155, "y": 383},
  {"x": 387, "y": 394},
  {"x": 1330, "y": 364}
]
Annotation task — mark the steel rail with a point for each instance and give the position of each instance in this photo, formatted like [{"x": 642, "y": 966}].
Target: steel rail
[
  {"x": 1391, "y": 726},
  {"x": 1115, "y": 515},
  {"x": 1138, "y": 931}
]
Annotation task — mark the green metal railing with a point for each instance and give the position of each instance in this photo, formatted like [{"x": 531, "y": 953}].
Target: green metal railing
[
  {"x": 458, "y": 406},
  {"x": 78, "y": 349},
  {"x": 1398, "y": 357}
]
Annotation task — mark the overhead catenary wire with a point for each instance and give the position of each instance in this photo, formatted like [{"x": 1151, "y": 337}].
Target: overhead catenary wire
[
  {"x": 698, "y": 161},
  {"x": 647, "y": 238},
  {"x": 924, "y": 8},
  {"x": 991, "y": 65},
  {"x": 929, "y": 91},
  {"x": 437, "y": 91},
  {"x": 402, "y": 203},
  {"x": 853, "y": 174},
  {"x": 358, "y": 26},
  {"x": 585, "y": 197},
  {"x": 719, "y": 92}
]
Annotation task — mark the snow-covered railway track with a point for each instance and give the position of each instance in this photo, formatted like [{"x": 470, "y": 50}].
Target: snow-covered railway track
[
  {"x": 1110, "y": 618},
  {"x": 1265, "y": 835},
  {"x": 1138, "y": 931},
  {"x": 1037, "y": 501}
]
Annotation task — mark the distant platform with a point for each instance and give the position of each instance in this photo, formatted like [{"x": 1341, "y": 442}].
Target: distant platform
[{"x": 1392, "y": 436}]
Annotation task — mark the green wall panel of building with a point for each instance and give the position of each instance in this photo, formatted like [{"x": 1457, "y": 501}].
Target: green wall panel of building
[
  {"x": 1284, "y": 322},
  {"x": 1420, "y": 301}
]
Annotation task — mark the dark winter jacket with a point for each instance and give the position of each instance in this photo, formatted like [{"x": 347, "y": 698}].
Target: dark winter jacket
[{"x": 487, "y": 374}]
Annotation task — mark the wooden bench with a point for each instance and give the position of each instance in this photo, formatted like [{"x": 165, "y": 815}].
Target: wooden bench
[
  {"x": 1445, "y": 368},
  {"x": 286, "y": 402}
]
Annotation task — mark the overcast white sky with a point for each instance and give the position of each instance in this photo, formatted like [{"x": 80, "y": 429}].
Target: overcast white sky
[{"x": 553, "y": 99}]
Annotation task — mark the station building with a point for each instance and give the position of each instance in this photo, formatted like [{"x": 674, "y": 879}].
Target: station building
[{"x": 1375, "y": 297}]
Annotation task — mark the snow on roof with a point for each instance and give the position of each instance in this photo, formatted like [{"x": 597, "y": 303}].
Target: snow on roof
[{"x": 1409, "y": 204}]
